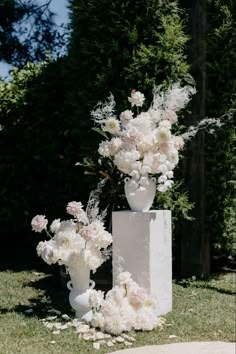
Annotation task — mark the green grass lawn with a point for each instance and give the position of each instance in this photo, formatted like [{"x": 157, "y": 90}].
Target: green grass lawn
[{"x": 202, "y": 311}]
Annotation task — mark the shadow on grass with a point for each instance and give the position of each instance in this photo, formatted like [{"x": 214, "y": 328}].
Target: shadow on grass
[
  {"x": 207, "y": 284},
  {"x": 51, "y": 295},
  {"x": 216, "y": 288}
]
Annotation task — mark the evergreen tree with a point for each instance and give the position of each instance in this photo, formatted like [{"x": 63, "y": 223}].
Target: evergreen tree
[
  {"x": 120, "y": 45},
  {"x": 124, "y": 44},
  {"x": 221, "y": 154}
]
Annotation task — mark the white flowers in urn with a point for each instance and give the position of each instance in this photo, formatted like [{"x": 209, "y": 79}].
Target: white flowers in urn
[
  {"x": 80, "y": 244},
  {"x": 79, "y": 239},
  {"x": 143, "y": 145}
]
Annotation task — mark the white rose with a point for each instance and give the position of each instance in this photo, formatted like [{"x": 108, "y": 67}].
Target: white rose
[
  {"x": 112, "y": 125},
  {"x": 76, "y": 209},
  {"x": 162, "y": 134},
  {"x": 39, "y": 223},
  {"x": 126, "y": 116},
  {"x": 137, "y": 98},
  {"x": 104, "y": 149},
  {"x": 169, "y": 115},
  {"x": 48, "y": 251},
  {"x": 124, "y": 278}
]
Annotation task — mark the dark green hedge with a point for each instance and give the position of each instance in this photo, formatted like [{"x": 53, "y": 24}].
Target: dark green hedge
[{"x": 221, "y": 149}]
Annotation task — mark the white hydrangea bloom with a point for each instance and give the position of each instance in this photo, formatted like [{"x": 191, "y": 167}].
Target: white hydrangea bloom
[
  {"x": 104, "y": 149},
  {"x": 76, "y": 209},
  {"x": 98, "y": 320},
  {"x": 143, "y": 123},
  {"x": 124, "y": 278},
  {"x": 162, "y": 134},
  {"x": 137, "y": 98},
  {"x": 125, "y": 117},
  {"x": 115, "y": 325},
  {"x": 92, "y": 256},
  {"x": 169, "y": 115},
  {"x": 125, "y": 160},
  {"x": 48, "y": 251},
  {"x": 96, "y": 298},
  {"x": 155, "y": 115},
  {"x": 55, "y": 225},
  {"x": 146, "y": 144},
  {"x": 178, "y": 142},
  {"x": 165, "y": 124},
  {"x": 115, "y": 145}
]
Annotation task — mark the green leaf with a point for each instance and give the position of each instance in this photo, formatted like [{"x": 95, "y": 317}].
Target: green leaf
[{"x": 101, "y": 132}]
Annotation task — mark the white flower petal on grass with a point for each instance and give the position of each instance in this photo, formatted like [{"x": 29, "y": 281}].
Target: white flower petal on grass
[
  {"x": 96, "y": 345},
  {"x": 120, "y": 339},
  {"x": 29, "y": 311},
  {"x": 110, "y": 344},
  {"x": 57, "y": 312},
  {"x": 128, "y": 343}
]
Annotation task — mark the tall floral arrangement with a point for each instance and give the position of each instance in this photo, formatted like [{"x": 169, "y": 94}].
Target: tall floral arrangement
[
  {"x": 142, "y": 143},
  {"x": 82, "y": 238}
]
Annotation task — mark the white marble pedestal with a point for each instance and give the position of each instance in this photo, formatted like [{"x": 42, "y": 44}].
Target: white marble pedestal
[{"x": 142, "y": 246}]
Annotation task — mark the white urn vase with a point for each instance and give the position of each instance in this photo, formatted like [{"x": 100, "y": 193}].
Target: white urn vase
[
  {"x": 80, "y": 286},
  {"x": 140, "y": 196}
]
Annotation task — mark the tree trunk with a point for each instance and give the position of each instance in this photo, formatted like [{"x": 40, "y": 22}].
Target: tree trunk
[{"x": 195, "y": 250}]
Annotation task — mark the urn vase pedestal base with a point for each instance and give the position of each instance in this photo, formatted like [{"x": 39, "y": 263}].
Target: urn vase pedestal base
[{"x": 142, "y": 246}]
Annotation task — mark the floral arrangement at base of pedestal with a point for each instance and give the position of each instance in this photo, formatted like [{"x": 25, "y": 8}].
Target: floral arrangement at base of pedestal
[{"x": 125, "y": 307}]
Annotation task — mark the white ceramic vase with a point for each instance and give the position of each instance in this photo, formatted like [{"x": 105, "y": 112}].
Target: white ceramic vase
[
  {"x": 140, "y": 198},
  {"x": 80, "y": 286}
]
